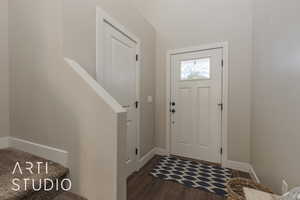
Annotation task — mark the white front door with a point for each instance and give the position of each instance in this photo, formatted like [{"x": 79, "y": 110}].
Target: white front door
[
  {"x": 119, "y": 79},
  {"x": 196, "y": 95}
]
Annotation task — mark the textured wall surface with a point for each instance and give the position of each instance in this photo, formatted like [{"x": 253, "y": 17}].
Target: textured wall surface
[
  {"x": 4, "y": 70},
  {"x": 53, "y": 105},
  {"x": 80, "y": 45},
  {"x": 73, "y": 29},
  {"x": 276, "y": 92},
  {"x": 181, "y": 24}
]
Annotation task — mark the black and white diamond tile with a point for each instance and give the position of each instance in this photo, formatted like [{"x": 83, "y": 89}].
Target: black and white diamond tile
[{"x": 205, "y": 177}]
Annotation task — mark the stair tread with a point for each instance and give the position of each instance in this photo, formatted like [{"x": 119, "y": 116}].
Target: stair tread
[
  {"x": 68, "y": 196},
  {"x": 8, "y": 159}
]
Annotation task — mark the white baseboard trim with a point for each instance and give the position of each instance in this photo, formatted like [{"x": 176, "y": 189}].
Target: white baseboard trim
[
  {"x": 161, "y": 151},
  {"x": 240, "y": 166},
  {"x": 49, "y": 153},
  {"x": 4, "y": 142},
  {"x": 146, "y": 158},
  {"x": 244, "y": 167},
  {"x": 254, "y": 175}
]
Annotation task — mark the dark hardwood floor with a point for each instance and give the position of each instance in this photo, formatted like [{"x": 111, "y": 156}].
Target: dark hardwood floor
[{"x": 142, "y": 186}]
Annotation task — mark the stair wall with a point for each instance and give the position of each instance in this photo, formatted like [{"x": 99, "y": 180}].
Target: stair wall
[{"x": 60, "y": 105}]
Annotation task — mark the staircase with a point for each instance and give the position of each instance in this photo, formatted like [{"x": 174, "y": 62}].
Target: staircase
[{"x": 24, "y": 176}]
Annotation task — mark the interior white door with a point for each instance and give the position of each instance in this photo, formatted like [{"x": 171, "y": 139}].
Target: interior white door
[
  {"x": 196, "y": 96},
  {"x": 119, "y": 79}
]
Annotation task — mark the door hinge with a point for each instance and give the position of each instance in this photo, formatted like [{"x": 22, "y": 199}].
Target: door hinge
[
  {"x": 137, "y": 57},
  {"x": 221, "y": 106},
  {"x": 222, "y": 63},
  {"x": 136, "y": 104},
  {"x": 136, "y": 151},
  {"x": 221, "y": 151}
]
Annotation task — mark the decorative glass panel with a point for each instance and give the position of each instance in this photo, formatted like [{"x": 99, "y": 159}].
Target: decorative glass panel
[{"x": 195, "y": 69}]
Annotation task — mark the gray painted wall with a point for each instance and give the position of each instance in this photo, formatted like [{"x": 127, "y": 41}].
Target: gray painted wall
[
  {"x": 181, "y": 24},
  {"x": 80, "y": 43},
  {"x": 276, "y": 93},
  {"x": 275, "y": 111},
  {"x": 72, "y": 29},
  {"x": 4, "y": 70},
  {"x": 53, "y": 105}
]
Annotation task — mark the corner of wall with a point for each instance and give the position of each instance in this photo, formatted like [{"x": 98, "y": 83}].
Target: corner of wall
[{"x": 4, "y": 70}]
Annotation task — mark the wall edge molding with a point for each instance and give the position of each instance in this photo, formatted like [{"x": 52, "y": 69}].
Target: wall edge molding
[
  {"x": 4, "y": 142},
  {"x": 244, "y": 167},
  {"x": 240, "y": 166},
  {"x": 161, "y": 151},
  {"x": 47, "y": 152},
  {"x": 253, "y": 174},
  {"x": 146, "y": 158}
]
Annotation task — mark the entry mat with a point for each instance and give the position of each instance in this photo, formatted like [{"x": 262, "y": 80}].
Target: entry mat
[{"x": 210, "y": 178}]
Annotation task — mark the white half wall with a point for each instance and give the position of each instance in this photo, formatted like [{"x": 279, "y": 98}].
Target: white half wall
[
  {"x": 58, "y": 104},
  {"x": 79, "y": 30}
]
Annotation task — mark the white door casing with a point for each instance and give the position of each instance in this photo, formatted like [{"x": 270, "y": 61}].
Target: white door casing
[
  {"x": 196, "y": 121},
  {"x": 118, "y": 73}
]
